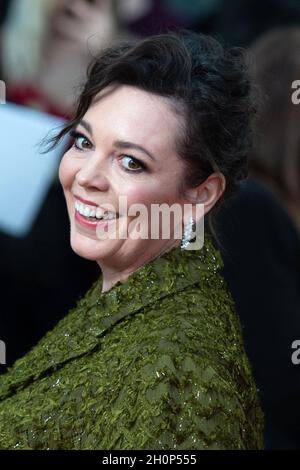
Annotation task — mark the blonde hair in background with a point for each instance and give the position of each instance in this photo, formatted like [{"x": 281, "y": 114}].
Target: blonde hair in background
[{"x": 22, "y": 41}]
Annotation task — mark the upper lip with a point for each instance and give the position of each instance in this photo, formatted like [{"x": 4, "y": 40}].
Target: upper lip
[{"x": 85, "y": 201}]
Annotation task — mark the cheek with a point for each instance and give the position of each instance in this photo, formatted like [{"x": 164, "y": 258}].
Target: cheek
[
  {"x": 148, "y": 194},
  {"x": 67, "y": 171}
]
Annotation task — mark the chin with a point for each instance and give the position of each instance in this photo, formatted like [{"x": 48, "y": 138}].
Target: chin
[{"x": 91, "y": 249}]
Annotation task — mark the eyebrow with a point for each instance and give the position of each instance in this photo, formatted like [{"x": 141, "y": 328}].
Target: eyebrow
[
  {"x": 86, "y": 125},
  {"x": 121, "y": 144}
]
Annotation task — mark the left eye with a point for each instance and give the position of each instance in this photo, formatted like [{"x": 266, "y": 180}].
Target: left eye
[{"x": 132, "y": 164}]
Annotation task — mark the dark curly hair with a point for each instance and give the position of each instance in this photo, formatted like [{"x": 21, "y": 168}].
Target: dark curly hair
[{"x": 208, "y": 86}]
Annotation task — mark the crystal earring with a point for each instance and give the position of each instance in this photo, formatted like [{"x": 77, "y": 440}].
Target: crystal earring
[{"x": 189, "y": 233}]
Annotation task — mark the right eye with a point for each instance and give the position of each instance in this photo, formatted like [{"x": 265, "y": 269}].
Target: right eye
[{"x": 81, "y": 142}]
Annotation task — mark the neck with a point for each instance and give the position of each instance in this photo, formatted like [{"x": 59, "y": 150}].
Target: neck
[{"x": 111, "y": 275}]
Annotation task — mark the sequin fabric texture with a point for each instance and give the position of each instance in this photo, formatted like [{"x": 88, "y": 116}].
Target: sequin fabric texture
[{"x": 156, "y": 362}]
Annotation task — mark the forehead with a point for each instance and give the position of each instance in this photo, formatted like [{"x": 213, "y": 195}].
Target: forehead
[{"x": 123, "y": 111}]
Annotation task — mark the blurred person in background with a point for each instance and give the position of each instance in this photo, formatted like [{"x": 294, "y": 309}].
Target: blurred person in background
[
  {"x": 46, "y": 53},
  {"x": 48, "y": 50},
  {"x": 276, "y": 154},
  {"x": 260, "y": 241}
]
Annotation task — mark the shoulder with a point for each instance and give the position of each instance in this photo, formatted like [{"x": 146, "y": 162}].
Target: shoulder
[
  {"x": 186, "y": 392},
  {"x": 186, "y": 378}
]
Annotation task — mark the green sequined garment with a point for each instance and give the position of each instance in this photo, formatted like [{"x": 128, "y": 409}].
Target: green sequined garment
[{"x": 156, "y": 362}]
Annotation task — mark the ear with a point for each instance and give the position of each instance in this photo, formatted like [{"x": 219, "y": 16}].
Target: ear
[{"x": 208, "y": 192}]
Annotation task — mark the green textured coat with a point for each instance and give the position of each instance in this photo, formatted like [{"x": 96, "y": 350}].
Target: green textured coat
[{"x": 157, "y": 362}]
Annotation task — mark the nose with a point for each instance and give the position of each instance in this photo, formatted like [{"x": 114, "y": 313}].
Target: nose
[{"x": 92, "y": 177}]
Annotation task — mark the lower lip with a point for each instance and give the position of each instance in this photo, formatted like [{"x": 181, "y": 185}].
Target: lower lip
[{"x": 91, "y": 223}]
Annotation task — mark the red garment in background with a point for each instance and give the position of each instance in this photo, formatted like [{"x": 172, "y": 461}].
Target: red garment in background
[{"x": 26, "y": 95}]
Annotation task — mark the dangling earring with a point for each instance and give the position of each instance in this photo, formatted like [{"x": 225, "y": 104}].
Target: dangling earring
[{"x": 189, "y": 233}]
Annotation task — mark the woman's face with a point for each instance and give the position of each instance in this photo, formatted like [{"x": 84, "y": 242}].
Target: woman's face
[{"x": 100, "y": 168}]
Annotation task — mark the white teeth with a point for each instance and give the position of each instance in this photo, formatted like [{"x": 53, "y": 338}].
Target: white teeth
[
  {"x": 89, "y": 211},
  {"x": 86, "y": 211},
  {"x": 99, "y": 214}
]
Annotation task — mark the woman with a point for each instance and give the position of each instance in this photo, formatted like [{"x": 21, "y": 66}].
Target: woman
[{"x": 152, "y": 356}]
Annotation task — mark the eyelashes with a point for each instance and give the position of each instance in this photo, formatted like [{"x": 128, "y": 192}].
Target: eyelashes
[
  {"x": 136, "y": 161},
  {"x": 76, "y": 136},
  {"x": 80, "y": 140}
]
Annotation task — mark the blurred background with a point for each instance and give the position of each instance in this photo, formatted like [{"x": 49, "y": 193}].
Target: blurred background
[{"x": 45, "y": 48}]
